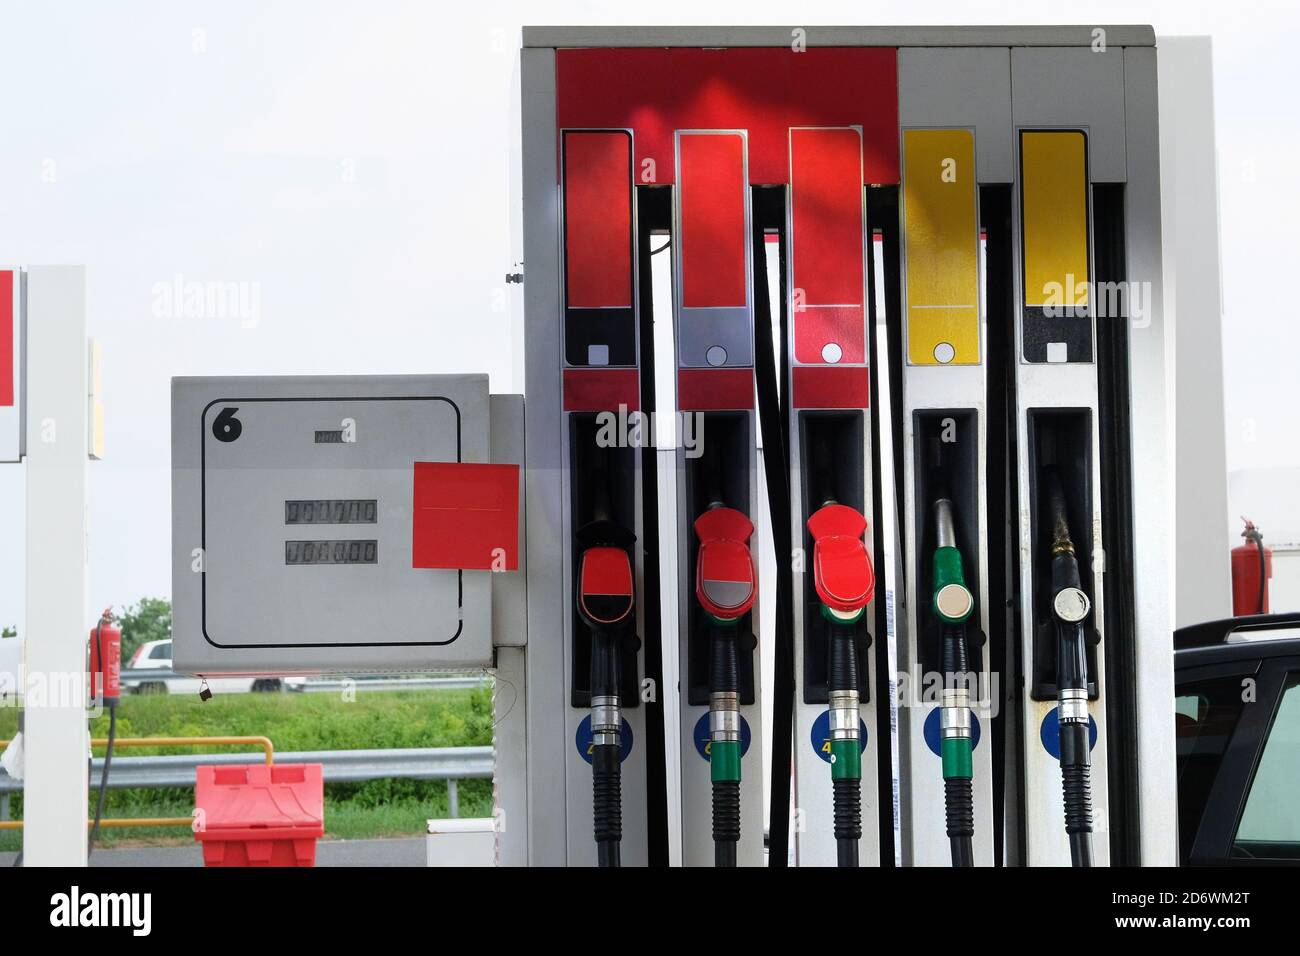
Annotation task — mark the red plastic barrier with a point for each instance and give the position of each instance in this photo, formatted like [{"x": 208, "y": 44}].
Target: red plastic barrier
[{"x": 259, "y": 815}]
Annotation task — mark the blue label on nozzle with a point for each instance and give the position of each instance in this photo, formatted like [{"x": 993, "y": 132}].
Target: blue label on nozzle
[
  {"x": 1050, "y": 734},
  {"x": 933, "y": 730},
  {"x": 821, "y": 735},
  {"x": 703, "y": 737},
  {"x": 582, "y": 739}
]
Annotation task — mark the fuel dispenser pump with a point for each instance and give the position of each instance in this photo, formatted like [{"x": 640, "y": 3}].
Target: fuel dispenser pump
[
  {"x": 725, "y": 587},
  {"x": 1065, "y": 562},
  {"x": 941, "y": 352},
  {"x": 713, "y": 258},
  {"x": 845, "y": 584},
  {"x": 977, "y": 202},
  {"x": 1070, "y": 608},
  {"x": 952, "y": 604},
  {"x": 605, "y": 601}
]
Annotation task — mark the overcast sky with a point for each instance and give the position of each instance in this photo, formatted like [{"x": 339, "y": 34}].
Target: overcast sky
[{"x": 350, "y": 164}]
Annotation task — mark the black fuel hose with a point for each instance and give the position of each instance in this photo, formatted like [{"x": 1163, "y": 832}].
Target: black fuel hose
[
  {"x": 724, "y": 694},
  {"x": 606, "y": 730},
  {"x": 846, "y": 770}
]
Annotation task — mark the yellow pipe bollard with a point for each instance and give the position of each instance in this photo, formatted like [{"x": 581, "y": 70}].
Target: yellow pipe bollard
[{"x": 253, "y": 741}]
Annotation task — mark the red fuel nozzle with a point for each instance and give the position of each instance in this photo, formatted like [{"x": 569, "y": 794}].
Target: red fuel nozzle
[
  {"x": 842, "y": 570},
  {"x": 725, "y": 580}
]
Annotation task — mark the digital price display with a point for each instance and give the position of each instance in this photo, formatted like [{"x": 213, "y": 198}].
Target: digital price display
[
  {"x": 331, "y": 552},
  {"x": 332, "y": 511}
]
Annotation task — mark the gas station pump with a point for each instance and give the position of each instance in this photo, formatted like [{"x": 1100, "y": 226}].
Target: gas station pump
[
  {"x": 940, "y": 388},
  {"x": 601, "y": 439},
  {"x": 1062, "y": 611},
  {"x": 1005, "y": 171},
  {"x": 832, "y": 480},
  {"x": 717, "y": 492}
]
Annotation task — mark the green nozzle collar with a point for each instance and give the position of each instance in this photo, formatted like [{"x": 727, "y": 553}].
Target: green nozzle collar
[
  {"x": 842, "y": 617},
  {"x": 957, "y": 603}
]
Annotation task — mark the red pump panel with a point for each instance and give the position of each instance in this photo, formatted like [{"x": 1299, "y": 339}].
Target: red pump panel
[
  {"x": 601, "y": 390},
  {"x": 826, "y": 246},
  {"x": 830, "y": 386},
  {"x": 598, "y": 219},
  {"x": 712, "y": 389},
  {"x": 712, "y": 228},
  {"x": 765, "y": 90},
  {"x": 7, "y": 320}
]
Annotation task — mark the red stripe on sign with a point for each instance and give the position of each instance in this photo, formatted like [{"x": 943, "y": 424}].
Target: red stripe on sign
[
  {"x": 715, "y": 389},
  {"x": 765, "y": 90},
  {"x": 598, "y": 219},
  {"x": 826, "y": 243},
  {"x": 465, "y": 516},
  {"x": 712, "y": 192},
  {"x": 825, "y": 386},
  {"x": 7, "y": 356},
  {"x": 601, "y": 390}
]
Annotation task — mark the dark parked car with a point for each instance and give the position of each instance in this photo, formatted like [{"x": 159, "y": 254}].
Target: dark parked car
[{"x": 1238, "y": 730}]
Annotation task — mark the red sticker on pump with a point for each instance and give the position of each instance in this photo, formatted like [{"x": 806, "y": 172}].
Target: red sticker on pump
[
  {"x": 465, "y": 516},
  {"x": 7, "y": 320}
]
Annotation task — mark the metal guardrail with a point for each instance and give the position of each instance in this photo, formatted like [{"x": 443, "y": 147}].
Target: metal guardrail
[
  {"x": 341, "y": 766},
  {"x": 336, "y": 685},
  {"x": 133, "y": 677}
]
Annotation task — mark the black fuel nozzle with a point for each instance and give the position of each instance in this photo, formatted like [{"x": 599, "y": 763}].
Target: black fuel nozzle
[
  {"x": 605, "y": 596},
  {"x": 1070, "y": 610}
]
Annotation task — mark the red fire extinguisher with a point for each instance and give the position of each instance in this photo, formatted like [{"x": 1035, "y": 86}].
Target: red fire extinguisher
[
  {"x": 105, "y": 687},
  {"x": 1252, "y": 566},
  {"x": 106, "y": 659}
]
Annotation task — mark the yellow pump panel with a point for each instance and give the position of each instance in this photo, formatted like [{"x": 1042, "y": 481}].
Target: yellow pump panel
[
  {"x": 1054, "y": 210},
  {"x": 941, "y": 244}
]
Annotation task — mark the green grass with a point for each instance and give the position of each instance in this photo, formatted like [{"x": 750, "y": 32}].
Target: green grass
[{"x": 374, "y": 719}]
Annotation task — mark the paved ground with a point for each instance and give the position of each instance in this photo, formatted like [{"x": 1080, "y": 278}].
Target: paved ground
[{"x": 401, "y": 852}]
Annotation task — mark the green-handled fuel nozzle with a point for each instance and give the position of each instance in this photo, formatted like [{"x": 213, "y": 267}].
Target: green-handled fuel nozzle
[{"x": 952, "y": 604}]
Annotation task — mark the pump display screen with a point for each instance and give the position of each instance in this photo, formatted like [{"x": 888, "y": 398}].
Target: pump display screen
[
  {"x": 293, "y": 553},
  {"x": 331, "y": 552},
  {"x": 332, "y": 511}
]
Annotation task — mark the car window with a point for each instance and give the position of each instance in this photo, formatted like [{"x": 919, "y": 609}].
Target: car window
[
  {"x": 1270, "y": 823},
  {"x": 163, "y": 652},
  {"x": 1205, "y": 717}
]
